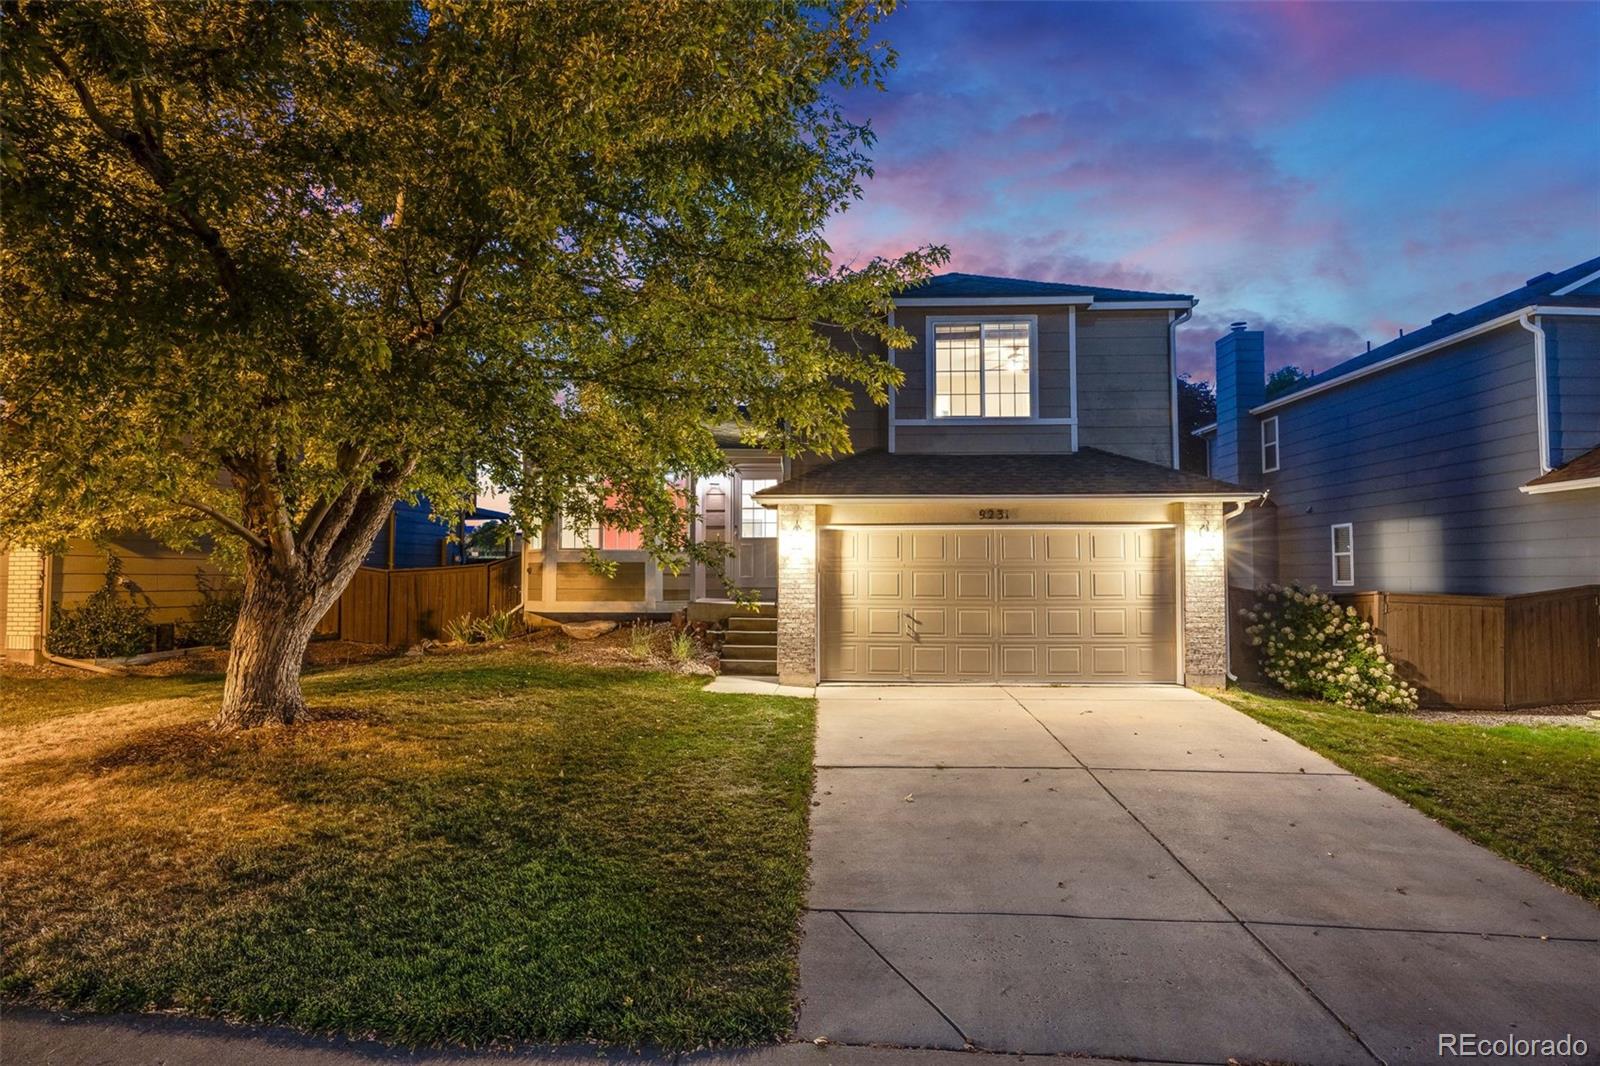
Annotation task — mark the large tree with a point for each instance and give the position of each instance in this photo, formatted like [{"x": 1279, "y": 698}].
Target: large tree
[{"x": 270, "y": 267}]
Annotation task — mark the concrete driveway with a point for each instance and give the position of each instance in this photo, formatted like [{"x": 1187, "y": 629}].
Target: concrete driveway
[{"x": 1144, "y": 873}]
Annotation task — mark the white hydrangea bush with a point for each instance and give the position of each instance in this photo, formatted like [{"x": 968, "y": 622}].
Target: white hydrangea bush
[{"x": 1310, "y": 645}]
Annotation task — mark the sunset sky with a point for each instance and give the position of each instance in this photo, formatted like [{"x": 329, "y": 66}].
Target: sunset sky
[{"x": 1330, "y": 172}]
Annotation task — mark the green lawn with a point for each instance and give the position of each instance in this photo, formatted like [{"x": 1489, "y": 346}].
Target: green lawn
[
  {"x": 1531, "y": 794},
  {"x": 460, "y": 848}
]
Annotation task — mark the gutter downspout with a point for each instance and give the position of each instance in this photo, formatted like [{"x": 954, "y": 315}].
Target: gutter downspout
[
  {"x": 1530, "y": 322},
  {"x": 1227, "y": 611},
  {"x": 1173, "y": 322}
]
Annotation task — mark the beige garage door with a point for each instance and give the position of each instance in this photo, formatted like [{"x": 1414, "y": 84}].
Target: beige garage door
[{"x": 1048, "y": 604}]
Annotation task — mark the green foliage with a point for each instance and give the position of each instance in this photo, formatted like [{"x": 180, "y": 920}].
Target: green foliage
[
  {"x": 108, "y": 625},
  {"x": 213, "y": 618},
  {"x": 1308, "y": 644},
  {"x": 1284, "y": 379},
  {"x": 639, "y": 635},
  {"x": 495, "y": 628},
  {"x": 342, "y": 253},
  {"x": 682, "y": 646}
]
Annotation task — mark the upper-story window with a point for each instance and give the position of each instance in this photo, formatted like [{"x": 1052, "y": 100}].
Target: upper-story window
[
  {"x": 1344, "y": 553},
  {"x": 1269, "y": 445},
  {"x": 983, "y": 368}
]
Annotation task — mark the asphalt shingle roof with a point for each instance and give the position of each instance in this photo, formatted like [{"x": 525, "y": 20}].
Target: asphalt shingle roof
[
  {"x": 1087, "y": 472},
  {"x": 1535, "y": 291},
  {"x": 1582, "y": 468},
  {"x": 955, "y": 286}
]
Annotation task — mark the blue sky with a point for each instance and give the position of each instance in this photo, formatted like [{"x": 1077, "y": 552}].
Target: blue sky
[{"x": 1330, "y": 172}]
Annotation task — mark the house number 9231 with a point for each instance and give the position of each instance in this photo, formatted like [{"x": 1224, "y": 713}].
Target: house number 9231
[{"x": 994, "y": 514}]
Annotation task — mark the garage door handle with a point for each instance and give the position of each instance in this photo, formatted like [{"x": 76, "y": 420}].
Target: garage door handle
[{"x": 913, "y": 619}]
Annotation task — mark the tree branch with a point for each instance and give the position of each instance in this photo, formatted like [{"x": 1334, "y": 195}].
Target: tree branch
[{"x": 227, "y": 523}]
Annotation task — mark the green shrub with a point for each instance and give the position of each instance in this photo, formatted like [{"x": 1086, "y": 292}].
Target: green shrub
[
  {"x": 108, "y": 625},
  {"x": 213, "y": 618},
  {"x": 1310, "y": 645},
  {"x": 639, "y": 635},
  {"x": 496, "y": 628},
  {"x": 683, "y": 645}
]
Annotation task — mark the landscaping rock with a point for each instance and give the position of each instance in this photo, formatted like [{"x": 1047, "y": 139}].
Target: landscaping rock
[{"x": 588, "y": 630}]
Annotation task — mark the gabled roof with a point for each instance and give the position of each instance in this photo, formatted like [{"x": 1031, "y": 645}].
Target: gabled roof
[
  {"x": 1582, "y": 473},
  {"x": 1546, "y": 288},
  {"x": 1087, "y": 472},
  {"x": 987, "y": 287}
]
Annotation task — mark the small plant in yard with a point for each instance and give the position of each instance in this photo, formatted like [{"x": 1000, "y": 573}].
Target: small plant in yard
[
  {"x": 213, "y": 619},
  {"x": 639, "y": 640},
  {"x": 682, "y": 646},
  {"x": 109, "y": 624},
  {"x": 1311, "y": 645},
  {"x": 496, "y": 628}
]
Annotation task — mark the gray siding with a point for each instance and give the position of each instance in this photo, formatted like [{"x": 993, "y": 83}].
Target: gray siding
[
  {"x": 1572, "y": 354},
  {"x": 1055, "y": 395},
  {"x": 1425, "y": 461},
  {"x": 1125, "y": 384}
]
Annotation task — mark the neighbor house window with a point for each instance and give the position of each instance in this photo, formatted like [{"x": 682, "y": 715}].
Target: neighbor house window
[
  {"x": 1269, "y": 445},
  {"x": 754, "y": 519},
  {"x": 983, "y": 369},
  {"x": 603, "y": 538},
  {"x": 575, "y": 538},
  {"x": 1344, "y": 554}
]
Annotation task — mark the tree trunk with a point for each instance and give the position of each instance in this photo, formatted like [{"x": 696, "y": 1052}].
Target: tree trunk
[{"x": 276, "y": 620}]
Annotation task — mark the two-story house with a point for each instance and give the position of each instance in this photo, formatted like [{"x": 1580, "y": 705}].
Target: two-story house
[
  {"x": 1014, "y": 514},
  {"x": 1459, "y": 458}
]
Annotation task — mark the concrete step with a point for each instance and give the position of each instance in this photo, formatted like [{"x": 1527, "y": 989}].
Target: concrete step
[
  {"x": 742, "y": 650},
  {"x": 746, "y": 623},
  {"x": 750, "y": 667}
]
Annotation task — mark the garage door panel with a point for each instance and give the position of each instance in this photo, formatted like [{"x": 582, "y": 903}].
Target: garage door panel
[
  {"x": 930, "y": 584},
  {"x": 1019, "y": 585},
  {"x": 1018, "y": 547},
  {"x": 1061, "y": 605},
  {"x": 1063, "y": 622},
  {"x": 1108, "y": 585},
  {"x": 1019, "y": 622},
  {"x": 1019, "y": 660},
  {"x": 883, "y": 621},
  {"x": 974, "y": 585},
  {"x": 974, "y": 622},
  {"x": 1063, "y": 585},
  {"x": 1108, "y": 545},
  {"x": 974, "y": 661}
]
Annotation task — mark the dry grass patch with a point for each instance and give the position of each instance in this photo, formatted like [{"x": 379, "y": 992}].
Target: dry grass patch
[{"x": 456, "y": 848}]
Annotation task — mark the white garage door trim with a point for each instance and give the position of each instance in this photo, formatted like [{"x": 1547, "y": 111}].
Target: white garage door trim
[{"x": 965, "y": 631}]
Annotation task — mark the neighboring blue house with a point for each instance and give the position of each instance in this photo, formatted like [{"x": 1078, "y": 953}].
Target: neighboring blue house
[
  {"x": 415, "y": 538},
  {"x": 1461, "y": 458}
]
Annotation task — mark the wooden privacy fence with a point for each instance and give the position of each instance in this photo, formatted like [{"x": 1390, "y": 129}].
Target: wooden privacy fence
[
  {"x": 405, "y": 606},
  {"x": 1477, "y": 651}
]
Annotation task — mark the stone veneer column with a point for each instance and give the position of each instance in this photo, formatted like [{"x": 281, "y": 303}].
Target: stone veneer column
[
  {"x": 24, "y": 606},
  {"x": 797, "y": 594},
  {"x": 1205, "y": 597}
]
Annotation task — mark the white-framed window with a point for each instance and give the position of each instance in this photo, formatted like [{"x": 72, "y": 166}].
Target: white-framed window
[
  {"x": 754, "y": 519},
  {"x": 1342, "y": 544},
  {"x": 576, "y": 538},
  {"x": 1269, "y": 445},
  {"x": 983, "y": 368}
]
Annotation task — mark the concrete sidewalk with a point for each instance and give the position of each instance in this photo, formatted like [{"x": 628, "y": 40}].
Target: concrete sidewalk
[
  {"x": 1145, "y": 873},
  {"x": 38, "y": 1038}
]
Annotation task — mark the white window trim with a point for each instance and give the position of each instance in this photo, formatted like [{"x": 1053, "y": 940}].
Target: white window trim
[
  {"x": 932, "y": 390},
  {"x": 1334, "y": 553},
  {"x": 1276, "y": 444}
]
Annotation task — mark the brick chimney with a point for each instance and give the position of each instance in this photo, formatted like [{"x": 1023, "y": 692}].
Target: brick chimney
[{"x": 1241, "y": 385}]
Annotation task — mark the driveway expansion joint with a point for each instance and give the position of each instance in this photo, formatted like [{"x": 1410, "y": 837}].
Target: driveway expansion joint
[
  {"x": 965, "y": 1039},
  {"x": 1251, "y": 933}
]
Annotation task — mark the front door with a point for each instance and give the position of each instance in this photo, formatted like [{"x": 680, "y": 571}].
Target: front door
[{"x": 755, "y": 534}]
